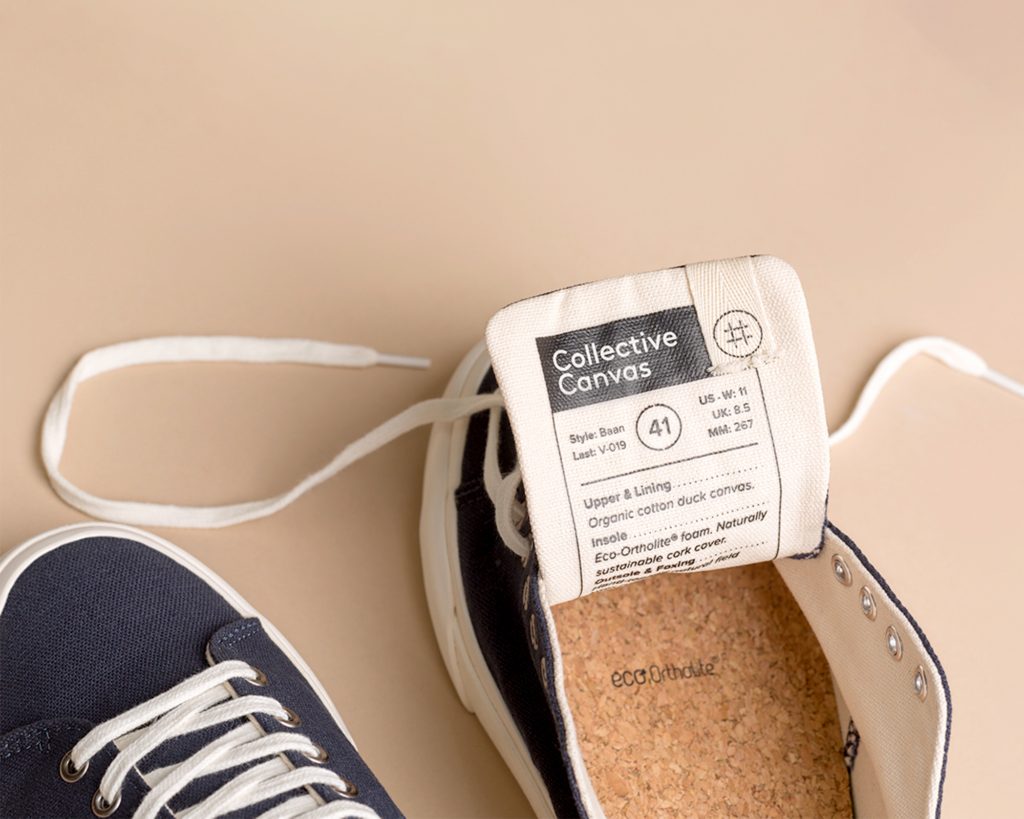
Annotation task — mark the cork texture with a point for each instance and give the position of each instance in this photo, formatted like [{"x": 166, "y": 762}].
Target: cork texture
[{"x": 703, "y": 694}]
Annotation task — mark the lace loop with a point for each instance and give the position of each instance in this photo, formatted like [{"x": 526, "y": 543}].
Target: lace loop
[{"x": 196, "y": 349}]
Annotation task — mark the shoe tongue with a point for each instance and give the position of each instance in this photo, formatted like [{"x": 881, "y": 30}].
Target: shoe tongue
[{"x": 667, "y": 421}]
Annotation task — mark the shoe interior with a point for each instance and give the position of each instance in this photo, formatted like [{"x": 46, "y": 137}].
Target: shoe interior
[{"x": 703, "y": 694}]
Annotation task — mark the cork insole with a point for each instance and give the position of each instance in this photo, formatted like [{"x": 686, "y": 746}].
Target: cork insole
[{"x": 703, "y": 694}]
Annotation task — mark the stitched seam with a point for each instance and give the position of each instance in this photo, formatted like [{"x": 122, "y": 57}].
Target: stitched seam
[
  {"x": 851, "y": 746},
  {"x": 239, "y": 633},
  {"x": 24, "y": 741}
]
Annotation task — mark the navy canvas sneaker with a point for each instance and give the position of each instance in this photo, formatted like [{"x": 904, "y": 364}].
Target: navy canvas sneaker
[
  {"x": 135, "y": 682},
  {"x": 631, "y": 575}
]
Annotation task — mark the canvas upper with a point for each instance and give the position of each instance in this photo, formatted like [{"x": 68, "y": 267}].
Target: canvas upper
[{"x": 97, "y": 619}]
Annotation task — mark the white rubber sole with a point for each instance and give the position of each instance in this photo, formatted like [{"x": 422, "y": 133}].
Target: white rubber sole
[
  {"x": 446, "y": 598},
  {"x": 20, "y": 558}
]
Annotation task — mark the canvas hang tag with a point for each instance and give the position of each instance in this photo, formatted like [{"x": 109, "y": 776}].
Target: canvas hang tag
[{"x": 666, "y": 421}]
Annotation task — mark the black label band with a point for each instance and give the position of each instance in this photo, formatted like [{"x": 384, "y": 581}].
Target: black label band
[{"x": 625, "y": 357}]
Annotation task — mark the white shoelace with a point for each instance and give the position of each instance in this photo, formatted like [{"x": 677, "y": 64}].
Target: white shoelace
[
  {"x": 202, "y": 701},
  {"x": 953, "y": 355},
  {"x": 234, "y": 349},
  {"x": 502, "y": 489}
]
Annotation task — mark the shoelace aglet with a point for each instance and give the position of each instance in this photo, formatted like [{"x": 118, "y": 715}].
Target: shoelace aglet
[
  {"x": 410, "y": 361},
  {"x": 1004, "y": 381}
]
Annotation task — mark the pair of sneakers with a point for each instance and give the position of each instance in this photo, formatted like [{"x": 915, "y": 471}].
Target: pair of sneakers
[{"x": 628, "y": 566}]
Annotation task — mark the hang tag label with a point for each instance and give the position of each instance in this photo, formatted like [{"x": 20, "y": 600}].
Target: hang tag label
[
  {"x": 647, "y": 438},
  {"x": 665, "y": 468}
]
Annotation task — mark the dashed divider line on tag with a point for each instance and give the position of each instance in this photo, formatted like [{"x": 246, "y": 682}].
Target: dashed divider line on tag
[
  {"x": 670, "y": 463},
  {"x": 701, "y": 520}
]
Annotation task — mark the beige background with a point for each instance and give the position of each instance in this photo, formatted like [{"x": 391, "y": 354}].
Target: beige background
[{"x": 391, "y": 174}]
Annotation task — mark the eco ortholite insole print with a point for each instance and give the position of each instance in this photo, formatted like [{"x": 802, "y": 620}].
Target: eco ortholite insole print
[{"x": 703, "y": 694}]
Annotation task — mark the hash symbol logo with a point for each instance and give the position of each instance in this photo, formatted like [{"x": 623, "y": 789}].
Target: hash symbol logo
[{"x": 738, "y": 333}]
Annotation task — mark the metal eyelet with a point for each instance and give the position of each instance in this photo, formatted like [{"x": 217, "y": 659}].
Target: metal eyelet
[
  {"x": 290, "y": 719},
  {"x": 920, "y": 684},
  {"x": 526, "y": 595},
  {"x": 101, "y": 807},
  {"x": 867, "y": 603},
  {"x": 261, "y": 678},
  {"x": 841, "y": 571},
  {"x": 893, "y": 643},
  {"x": 68, "y": 771},
  {"x": 348, "y": 789},
  {"x": 319, "y": 756},
  {"x": 533, "y": 633}
]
